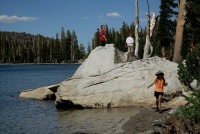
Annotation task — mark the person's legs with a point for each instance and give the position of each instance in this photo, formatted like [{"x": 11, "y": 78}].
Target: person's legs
[
  {"x": 129, "y": 49},
  {"x": 133, "y": 49},
  {"x": 159, "y": 103},
  {"x": 156, "y": 95},
  {"x": 157, "y": 109},
  {"x": 103, "y": 43}
]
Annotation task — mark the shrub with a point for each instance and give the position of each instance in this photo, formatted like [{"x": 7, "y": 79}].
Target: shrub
[{"x": 189, "y": 72}]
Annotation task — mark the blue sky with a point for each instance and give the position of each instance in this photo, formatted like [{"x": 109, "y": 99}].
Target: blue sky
[{"x": 46, "y": 17}]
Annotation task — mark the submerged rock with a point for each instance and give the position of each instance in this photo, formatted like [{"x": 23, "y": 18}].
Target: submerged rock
[{"x": 111, "y": 78}]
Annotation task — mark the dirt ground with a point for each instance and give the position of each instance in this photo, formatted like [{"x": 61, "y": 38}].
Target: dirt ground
[{"x": 143, "y": 121}]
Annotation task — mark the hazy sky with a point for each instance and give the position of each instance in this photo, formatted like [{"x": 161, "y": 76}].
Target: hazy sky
[{"x": 46, "y": 17}]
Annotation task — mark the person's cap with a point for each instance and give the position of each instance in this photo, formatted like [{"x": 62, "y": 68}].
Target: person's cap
[{"x": 159, "y": 72}]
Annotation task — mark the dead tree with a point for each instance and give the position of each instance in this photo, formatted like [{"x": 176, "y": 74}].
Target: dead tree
[
  {"x": 136, "y": 28},
  {"x": 151, "y": 22}
]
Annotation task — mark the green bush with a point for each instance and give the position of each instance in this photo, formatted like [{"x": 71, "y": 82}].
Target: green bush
[
  {"x": 192, "y": 112},
  {"x": 189, "y": 72}
]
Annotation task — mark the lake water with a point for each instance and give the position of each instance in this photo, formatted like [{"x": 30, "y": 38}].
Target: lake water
[{"x": 26, "y": 116}]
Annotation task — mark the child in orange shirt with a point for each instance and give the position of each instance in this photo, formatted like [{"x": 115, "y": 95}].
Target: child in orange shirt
[{"x": 159, "y": 90}]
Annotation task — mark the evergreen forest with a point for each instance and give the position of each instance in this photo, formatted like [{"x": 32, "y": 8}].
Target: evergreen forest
[{"x": 26, "y": 48}]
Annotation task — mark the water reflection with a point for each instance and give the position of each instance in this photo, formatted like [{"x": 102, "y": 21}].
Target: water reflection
[
  {"x": 18, "y": 115},
  {"x": 95, "y": 120}
]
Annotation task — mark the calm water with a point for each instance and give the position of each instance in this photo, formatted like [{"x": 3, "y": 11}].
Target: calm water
[{"x": 27, "y": 116}]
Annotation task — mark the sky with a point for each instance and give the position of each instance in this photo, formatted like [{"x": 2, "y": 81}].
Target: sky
[{"x": 47, "y": 17}]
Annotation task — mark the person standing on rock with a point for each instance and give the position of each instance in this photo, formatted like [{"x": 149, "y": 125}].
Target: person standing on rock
[
  {"x": 130, "y": 43},
  {"x": 159, "y": 89},
  {"x": 102, "y": 36}
]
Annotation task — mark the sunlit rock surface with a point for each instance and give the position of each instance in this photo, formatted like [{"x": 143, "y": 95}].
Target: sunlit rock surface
[{"x": 111, "y": 78}]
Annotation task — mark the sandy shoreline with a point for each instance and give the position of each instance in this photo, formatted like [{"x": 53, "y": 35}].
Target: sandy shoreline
[{"x": 143, "y": 120}]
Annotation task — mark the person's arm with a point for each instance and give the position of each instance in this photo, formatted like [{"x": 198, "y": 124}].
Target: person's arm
[
  {"x": 165, "y": 84},
  {"x": 104, "y": 37},
  {"x": 151, "y": 84}
]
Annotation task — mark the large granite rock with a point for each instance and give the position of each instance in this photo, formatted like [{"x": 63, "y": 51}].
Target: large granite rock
[{"x": 111, "y": 78}]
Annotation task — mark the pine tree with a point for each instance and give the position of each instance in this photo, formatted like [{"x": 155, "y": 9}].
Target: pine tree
[
  {"x": 112, "y": 35},
  {"x": 96, "y": 40},
  {"x": 166, "y": 24},
  {"x": 68, "y": 45},
  {"x": 74, "y": 46},
  {"x": 88, "y": 49},
  {"x": 193, "y": 20},
  {"x": 82, "y": 54},
  {"x": 125, "y": 31},
  {"x": 57, "y": 49},
  {"x": 63, "y": 45}
]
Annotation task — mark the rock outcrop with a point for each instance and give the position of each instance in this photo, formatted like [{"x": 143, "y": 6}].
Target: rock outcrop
[
  {"x": 173, "y": 123},
  {"x": 42, "y": 93},
  {"x": 111, "y": 78}
]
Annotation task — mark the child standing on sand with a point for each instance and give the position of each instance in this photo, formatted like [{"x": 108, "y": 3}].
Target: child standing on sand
[{"x": 159, "y": 89}]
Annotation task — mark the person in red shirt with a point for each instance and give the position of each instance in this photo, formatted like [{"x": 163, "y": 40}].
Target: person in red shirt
[
  {"x": 102, "y": 36},
  {"x": 159, "y": 89}
]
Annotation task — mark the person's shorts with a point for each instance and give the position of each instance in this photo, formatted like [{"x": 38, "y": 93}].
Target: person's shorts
[{"x": 156, "y": 94}]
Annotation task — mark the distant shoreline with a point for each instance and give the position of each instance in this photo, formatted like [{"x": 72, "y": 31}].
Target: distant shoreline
[{"x": 37, "y": 63}]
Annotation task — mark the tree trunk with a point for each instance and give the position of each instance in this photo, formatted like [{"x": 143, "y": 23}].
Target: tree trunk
[
  {"x": 148, "y": 49},
  {"x": 179, "y": 32},
  {"x": 153, "y": 23},
  {"x": 136, "y": 28}
]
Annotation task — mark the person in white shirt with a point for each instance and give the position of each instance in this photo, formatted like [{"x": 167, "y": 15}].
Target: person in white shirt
[{"x": 130, "y": 43}]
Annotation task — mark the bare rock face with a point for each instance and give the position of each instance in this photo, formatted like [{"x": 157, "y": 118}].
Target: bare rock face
[{"x": 111, "y": 78}]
